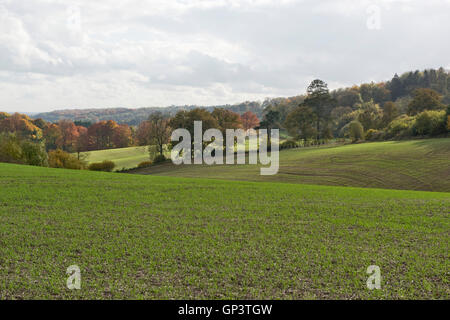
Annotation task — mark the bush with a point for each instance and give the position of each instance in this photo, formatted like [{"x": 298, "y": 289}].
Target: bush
[
  {"x": 353, "y": 130},
  {"x": 10, "y": 149},
  {"x": 289, "y": 144},
  {"x": 374, "y": 135},
  {"x": 159, "y": 158},
  {"x": 34, "y": 154},
  {"x": 430, "y": 123},
  {"x": 145, "y": 164},
  {"x": 62, "y": 159},
  {"x": 15, "y": 150},
  {"x": 106, "y": 166},
  {"x": 400, "y": 127}
]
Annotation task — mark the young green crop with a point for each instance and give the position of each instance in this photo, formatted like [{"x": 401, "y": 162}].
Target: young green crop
[{"x": 137, "y": 237}]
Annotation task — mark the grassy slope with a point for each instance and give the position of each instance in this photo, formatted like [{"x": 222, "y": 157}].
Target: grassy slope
[
  {"x": 151, "y": 237},
  {"x": 415, "y": 165},
  {"x": 123, "y": 157}
]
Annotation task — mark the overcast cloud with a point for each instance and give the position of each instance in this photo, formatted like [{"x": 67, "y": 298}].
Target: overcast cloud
[{"x": 57, "y": 54}]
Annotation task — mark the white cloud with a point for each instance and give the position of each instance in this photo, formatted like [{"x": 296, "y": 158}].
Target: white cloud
[{"x": 128, "y": 53}]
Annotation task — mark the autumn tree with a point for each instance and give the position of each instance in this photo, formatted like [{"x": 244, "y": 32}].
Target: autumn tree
[
  {"x": 122, "y": 136},
  {"x": 69, "y": 135},
  {"x": 425, "y": 99},
  {"x": 83, "y": 142},
  {"x": 226, "y": 119},
  {"x": 101, "y": 135},
  {"x": 143, "y": 133},
  {"x": 249, "y": 120},
  {"x": 20, "y": 124},
  {"x": 52, "y": 135},
  {"x": 159, "y": 131}
]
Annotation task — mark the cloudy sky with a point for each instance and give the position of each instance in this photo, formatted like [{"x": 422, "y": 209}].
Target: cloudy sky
[{"x": 59, "y": 54}]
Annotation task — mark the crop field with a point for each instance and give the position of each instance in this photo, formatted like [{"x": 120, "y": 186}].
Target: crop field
[
  {"x": 413, "y": 165},
  {"x": 138, "y": 236}
]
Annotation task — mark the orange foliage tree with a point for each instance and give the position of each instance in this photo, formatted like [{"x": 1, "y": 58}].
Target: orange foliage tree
[{"x": 249, "y": 120}]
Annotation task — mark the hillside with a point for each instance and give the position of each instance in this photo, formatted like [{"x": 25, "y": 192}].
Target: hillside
[
  {"x": 415, "y": 165},
  {"x": 137, "y": 237},
  {"x": 134, "y": 117},
  {"x": 123, "y": 157}
]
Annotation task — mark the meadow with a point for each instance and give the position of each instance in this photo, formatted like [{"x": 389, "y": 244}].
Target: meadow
[
  {"x": 152, "y": 237},
  {"x": 413, "y": 165},
  {"x": 123, "y": 157}
]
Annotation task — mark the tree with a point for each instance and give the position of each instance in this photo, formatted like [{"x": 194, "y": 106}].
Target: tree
[
  {"x": 21, "y": 125},
  {"x": 425, "y": 99},
  {"x": 356, "y": 131},
  {"x": 185, "y": 120},
  {"x": 396, "y": 87},
  {"x": 249, "y": 120},
  {"x": 226, "y": 119},
  {"x": 319, "y": 100},
  {"x": 101, "y": 135},
  {"x": 300, "y": 123},
  {"x": 390, "y": 112},
  {"x": 122, "y": 136},
  {"x": 370, "y": 115},
  {"x": 52, "y": 135},
  {"x": 159, "y": 131},
  {"x": 82, "y": 143},
  {"x": 271, "y": 120},
  {"x": 69, "y": 135}
]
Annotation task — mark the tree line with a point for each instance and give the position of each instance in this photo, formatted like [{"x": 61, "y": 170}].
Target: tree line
[{"x": 414, "y": 104}]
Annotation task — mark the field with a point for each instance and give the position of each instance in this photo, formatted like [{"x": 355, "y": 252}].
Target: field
[
  {"x": 137, "y": 236},
  {"x": 413, "y": 165},
  {"x": 123, "y": 158}
]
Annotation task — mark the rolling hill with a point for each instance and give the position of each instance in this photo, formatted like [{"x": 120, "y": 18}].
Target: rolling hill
[{"x": 415, "y": 165}]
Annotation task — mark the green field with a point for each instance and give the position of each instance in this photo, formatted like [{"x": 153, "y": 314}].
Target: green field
[
  {"x": 123, "y": 158},
  {"x": 414, "y": 165},
  {"x": 137, "y": 236}
]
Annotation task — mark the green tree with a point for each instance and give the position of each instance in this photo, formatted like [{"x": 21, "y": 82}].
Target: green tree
[
  {"x": 425, "y": 99},
  {"x": 320, "y": 101},
  {"x": 390, "y": 112},
  {"x": 300, "y": 123},
  {"x": 356, "y": 131}
]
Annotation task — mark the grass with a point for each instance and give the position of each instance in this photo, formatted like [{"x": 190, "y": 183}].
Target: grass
[
  {"x": 136, "y": 236},
  {"x": 413, "y": 165},
  {"x": 123, "y": 158}
]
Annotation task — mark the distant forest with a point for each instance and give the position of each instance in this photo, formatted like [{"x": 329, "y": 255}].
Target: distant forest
[
  {"x": 399, "y": 90},
  {"x": 133, "y": 117}
]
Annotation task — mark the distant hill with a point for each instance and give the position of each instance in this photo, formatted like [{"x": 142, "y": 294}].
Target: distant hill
[
  {"x": 399, "y": 89},
  {"x": 133, "y": 117}
]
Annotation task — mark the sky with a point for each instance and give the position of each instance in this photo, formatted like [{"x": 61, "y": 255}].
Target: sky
[{"x": 60, "y": 54}]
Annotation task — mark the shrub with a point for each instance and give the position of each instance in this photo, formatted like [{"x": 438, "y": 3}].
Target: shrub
[
  {"x": 34, "y": 154},
  {"x": 353, "y": 130},
  {"x": 106, "y": 166},
  {"x": 288, "y": 144},
  {"x": 61, "y": 159},
  {"x": 144, "y": 164},
  {"x": 159, "y": 158},
  {"x": 374, "y": 135},
  {"x": 430, "y": 123},
  {"x": 10, "y": 149},
  {"x": 400, "y": 127}
]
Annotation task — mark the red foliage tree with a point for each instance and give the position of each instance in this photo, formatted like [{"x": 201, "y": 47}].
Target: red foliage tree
[{"x": 249, "y": 120}]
